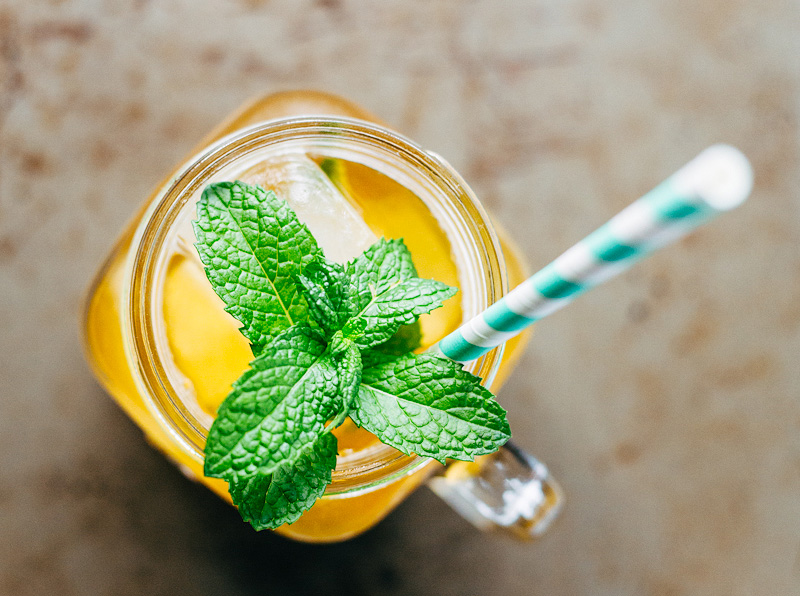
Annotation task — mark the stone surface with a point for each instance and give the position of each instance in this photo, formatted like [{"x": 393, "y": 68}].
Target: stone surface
[{"x": 666, "y": 402}]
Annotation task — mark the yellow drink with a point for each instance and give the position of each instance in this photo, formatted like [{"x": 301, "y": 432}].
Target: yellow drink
[{"x": 201, "y": 352}]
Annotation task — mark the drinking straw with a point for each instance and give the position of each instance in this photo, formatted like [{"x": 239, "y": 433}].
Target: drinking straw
[{"x": 717, "y": 180}]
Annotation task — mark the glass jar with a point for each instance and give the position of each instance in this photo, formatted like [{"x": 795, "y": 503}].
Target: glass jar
[{"x": 128, "y": 343}]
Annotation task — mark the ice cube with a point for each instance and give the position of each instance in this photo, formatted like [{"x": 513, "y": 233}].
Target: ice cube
[{"x": 332, "y": 219}]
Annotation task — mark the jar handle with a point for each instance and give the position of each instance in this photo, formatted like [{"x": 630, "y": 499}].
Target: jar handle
[{"x": 508, "y": 491}]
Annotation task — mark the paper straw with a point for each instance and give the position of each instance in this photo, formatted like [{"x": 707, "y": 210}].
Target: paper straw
[{"x": 717, "y": 180}]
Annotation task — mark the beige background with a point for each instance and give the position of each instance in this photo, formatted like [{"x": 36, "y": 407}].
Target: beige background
[{"x": 666, "y": 402}]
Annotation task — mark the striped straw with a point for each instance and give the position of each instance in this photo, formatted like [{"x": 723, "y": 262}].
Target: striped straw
[{"x": 717, "y": 180}]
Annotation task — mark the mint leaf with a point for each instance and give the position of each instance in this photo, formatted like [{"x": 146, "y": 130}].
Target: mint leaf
[
  {"x": 347, "y": 357},
  {"x": 395, "y": 305},
  {"x": 252, "y": 246},
  {"x": 330, "y": 340},
  {"x": 376, "y": 294},
  {"x": 269, "y": 501},
  {"x": 406, "y": 339},
  {"x": 424, "y": 404},
  {"x": 385, "y": 293},
  {"x": 382, "y": 265},
  {"x": 325, "y": 287},
  {"x": 276, "y": 409}
]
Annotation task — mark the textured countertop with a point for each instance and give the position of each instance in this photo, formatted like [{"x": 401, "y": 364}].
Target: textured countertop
[{"x": 667, "y": 402}]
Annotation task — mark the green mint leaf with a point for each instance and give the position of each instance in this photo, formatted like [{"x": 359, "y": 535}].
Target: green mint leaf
[
  {"x": 330, "y": 340},
  {"x": 269, "y": 501},
  {"x": 325, "y": 287},
  {"x": 407, "y": 339},
  {"x": 276, "y": 409},
  {"x": 375, "y": 357},
  {"x": 385, "y": 293},
  {"x": 347, "y": 358},
  {"x": 252, "y": 246},
  {"x": 382, "y": 265},
  {"x": 395, "y": 305},
  {"x": 424, "y": 404}
]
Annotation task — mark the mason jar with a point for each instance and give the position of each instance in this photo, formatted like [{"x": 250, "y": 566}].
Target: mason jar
[{"x": 161, "y": 344}]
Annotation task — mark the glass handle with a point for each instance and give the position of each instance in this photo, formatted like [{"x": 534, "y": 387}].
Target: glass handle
[{"x": 509, "y": 491}]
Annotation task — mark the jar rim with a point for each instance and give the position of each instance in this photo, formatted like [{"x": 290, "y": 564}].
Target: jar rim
[{"x": 143, "y": 271}]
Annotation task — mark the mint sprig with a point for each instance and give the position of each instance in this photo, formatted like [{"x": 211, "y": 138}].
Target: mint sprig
[
  {"x": 423, "y": 404},
  {"x": 325, "y": 288},
  {"x": 268, "y": 501},
  {"x": 252, "y": 243},
  {"x": 277, "y": 408},
  {"x": 331, "y": 341},
  {"x": 385, "y": 293}
]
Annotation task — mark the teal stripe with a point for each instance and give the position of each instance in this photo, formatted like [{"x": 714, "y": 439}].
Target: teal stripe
[
  {"x": 605, "y": 246},
  {"x": 551, "y": 285},
  {"x": 668, "y": 205},
  {"x": 500, "y": 317},
  {"x": 455, "y": 347},
  {"x": 679, "y": 210}
]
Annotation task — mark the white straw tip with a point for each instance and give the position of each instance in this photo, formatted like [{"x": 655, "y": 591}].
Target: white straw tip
[{"x": 721, "y": 176}]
